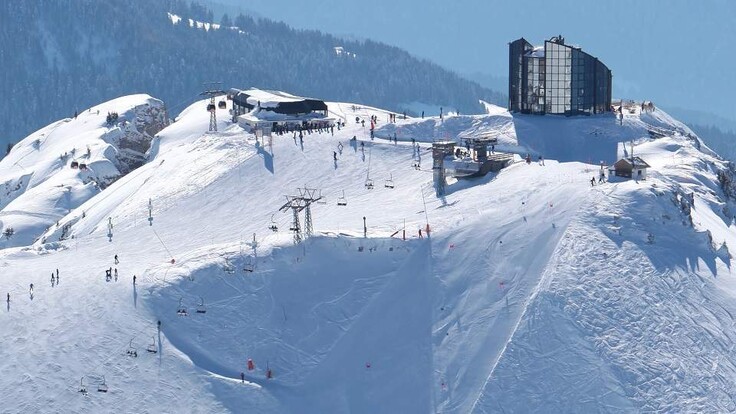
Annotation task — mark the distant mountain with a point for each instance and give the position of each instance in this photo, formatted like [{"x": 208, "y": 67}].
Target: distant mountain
[
  {"x": 690, "y": 116},
  {"x": 723, "y": 142},
  {"x": 487, "y": 80},
  {"x": 59, "y": 56}
]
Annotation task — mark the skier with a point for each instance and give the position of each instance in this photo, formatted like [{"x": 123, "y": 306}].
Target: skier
[
  {"x": 116, "y": 259},
  {"x": 52, "y": 278},
  {"x": 8, "y": 297},
  {"x": 420, "y": 233},
  {"x": 592, "y": 182},
  {"x": 31, "y": 289},
  {"x": 133, "y": 280},
  {"x": 159, "y": 325},
  {"x": 116, "y": 273},
  {"x": 57, "y": 273},
  {"x": 242, "y": 377},
  {"x": 362, "y": 123},
  {"x": 334, "y": 155},
  {"x": 422, "y": 114}
]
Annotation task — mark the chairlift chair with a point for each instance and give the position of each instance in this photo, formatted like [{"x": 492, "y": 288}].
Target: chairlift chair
[
  {"x": 222, "y": 105},
  {"x": 390, "y": 182},
  {"x": 131, "y": 352},
  {"x": 200, "y": 307},
  {"x": 273, "y": 227},
  {"x": 369, "y": 183},
  {"x": 152, "y": 348},
  {"x": 181, "y": 310},
  {"x": 342, "y": 201},
  {"x": 210, "y": 107},
  {"x": 228, "y": 268},
  {"x": 75, "y": 165},
  {"x": 249, "y": 265},
  {"x": 102, "y": 387}
]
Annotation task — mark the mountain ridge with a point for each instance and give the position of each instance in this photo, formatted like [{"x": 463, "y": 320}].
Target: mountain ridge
[{"x": 76, "y": 53}]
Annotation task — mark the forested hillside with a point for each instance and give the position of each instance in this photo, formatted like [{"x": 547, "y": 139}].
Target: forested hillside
[{"x": 65, "y": 55}]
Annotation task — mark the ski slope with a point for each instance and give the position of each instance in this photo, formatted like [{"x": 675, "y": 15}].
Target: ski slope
[{"x": 534, "y": 292}]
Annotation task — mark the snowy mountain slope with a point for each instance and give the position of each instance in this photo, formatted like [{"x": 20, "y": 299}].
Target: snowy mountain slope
[
  {"x": 535, "y": 292},
  {"x": 41, "y": 187}
]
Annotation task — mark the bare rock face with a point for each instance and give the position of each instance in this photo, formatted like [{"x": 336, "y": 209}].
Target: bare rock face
[{"x": 137, "y": 133}]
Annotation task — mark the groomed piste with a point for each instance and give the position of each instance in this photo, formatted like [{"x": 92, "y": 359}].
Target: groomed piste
[{"x": 533, "y": 291}]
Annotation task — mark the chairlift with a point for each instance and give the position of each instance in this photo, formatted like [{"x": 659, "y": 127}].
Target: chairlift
[
  {"x": 342, "y": 201},
  {"x": 368, "y": 180},
  {"x": 249, "y": 265},
  {"x": 228, "y": 268},
  {"x": 102, "y": 387},
  {"x": 131, "y": 352},
  {"x": 273, "y": 227},
  {"x": 152, "y": 348},
  {"x": 210, "y": 107},
  {"x": 390, "y": 182},
  {"x": 82, "y": 387},
  {"x": 200, "y": 307},
  {"x": 181, "y": 310},
  {"x": 222, "y": 105}
]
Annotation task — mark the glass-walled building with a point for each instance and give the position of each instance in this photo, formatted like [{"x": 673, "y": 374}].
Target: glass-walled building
[{"x": 556, "y": 79}]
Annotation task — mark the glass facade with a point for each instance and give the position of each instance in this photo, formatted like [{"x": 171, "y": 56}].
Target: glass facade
[
  {"x": 517, "y": 81},
  {"x": 559, "y": 79}
]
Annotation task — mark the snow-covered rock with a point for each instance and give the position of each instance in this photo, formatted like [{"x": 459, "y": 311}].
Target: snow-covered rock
[{"x": 40, "y": 185}]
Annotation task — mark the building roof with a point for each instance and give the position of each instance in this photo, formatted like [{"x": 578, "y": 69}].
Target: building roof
[
  {"x": 276, "y": 101},
  {"x": 635, "y": 162}
]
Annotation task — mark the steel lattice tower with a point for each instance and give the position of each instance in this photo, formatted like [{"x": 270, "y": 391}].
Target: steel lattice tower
[{"x": 212, "y": 90}]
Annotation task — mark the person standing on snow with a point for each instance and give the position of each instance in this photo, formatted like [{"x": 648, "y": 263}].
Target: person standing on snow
[{"x": 116, "y": 259}]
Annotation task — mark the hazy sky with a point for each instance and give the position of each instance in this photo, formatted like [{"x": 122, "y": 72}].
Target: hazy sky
[{"x": 676, "y": 53}]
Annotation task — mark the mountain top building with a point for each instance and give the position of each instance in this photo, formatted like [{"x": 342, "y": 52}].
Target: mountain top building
[{"x": 556, "y": 79}]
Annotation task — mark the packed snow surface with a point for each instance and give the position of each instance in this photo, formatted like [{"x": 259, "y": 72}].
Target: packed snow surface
[{"x": 534, "y": 291}]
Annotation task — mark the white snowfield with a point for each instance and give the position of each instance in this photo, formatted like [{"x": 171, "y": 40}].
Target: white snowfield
[{"x": 534, "y": 292}]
